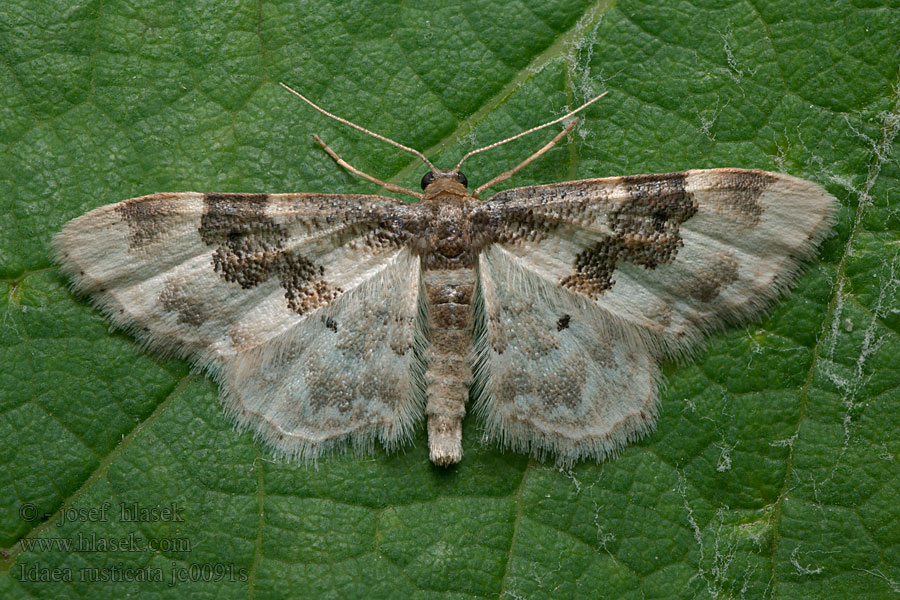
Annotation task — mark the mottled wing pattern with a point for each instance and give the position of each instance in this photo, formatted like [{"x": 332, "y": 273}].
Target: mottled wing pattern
[
  {"x": 241, "y": 284},
  {"x": 554, "y": 374},
  {"x": 588, "y": 282},
  {"x": 353, "y": 372},
  {"x": 675, "y": 254}
]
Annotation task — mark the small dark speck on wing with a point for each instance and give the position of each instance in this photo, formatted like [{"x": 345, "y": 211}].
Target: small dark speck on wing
[{"x": 330, "y": 323}]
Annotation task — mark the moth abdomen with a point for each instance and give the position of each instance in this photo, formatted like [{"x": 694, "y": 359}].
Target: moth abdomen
[{"x": 449, "y": 372}]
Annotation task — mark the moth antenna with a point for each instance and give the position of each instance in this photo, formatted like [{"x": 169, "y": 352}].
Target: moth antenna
[
  {"x": 532, "y": 130},
  {"x": 360, "y": 128}
]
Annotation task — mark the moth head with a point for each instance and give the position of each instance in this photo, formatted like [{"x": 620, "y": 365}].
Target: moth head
[
  {"x": 454, "y": 175},
  {"x": 442, "y": 183}
]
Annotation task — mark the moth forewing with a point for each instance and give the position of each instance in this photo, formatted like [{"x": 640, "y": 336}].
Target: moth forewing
[{"x": 676, "y": 254}]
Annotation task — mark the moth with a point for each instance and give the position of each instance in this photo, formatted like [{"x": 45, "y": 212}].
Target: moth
[{"x": 333, "y": 320}]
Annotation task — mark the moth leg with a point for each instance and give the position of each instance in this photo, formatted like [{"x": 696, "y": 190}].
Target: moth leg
[
  {"x": 388, "y": 186},
  {"x": 507, "y": 174}
]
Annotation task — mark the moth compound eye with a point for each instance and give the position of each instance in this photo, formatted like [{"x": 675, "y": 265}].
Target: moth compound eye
[
  {"x": 427, "y": 179},
  {"x": 462, "y": 179}
]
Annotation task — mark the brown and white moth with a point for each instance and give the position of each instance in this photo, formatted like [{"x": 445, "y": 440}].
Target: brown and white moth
[{"x": 336, "y": 319}]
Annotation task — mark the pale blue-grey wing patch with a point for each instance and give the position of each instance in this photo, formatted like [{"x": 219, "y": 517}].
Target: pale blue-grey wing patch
[
  {"x": 677, "y": 254},
  {"x": 211, "y": 276},
  {"x": 554, "y": 374}
]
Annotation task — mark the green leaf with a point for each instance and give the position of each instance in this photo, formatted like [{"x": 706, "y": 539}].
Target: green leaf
[{"x": 774, "y": 470}]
